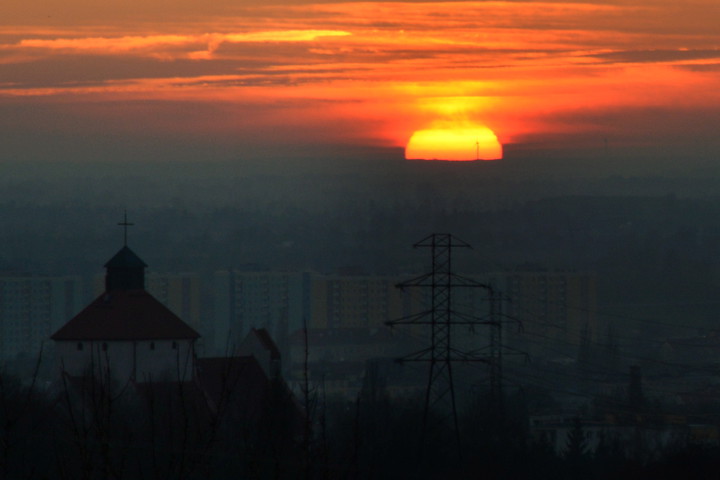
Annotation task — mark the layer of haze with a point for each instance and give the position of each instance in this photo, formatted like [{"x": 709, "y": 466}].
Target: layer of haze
[
  {"x": 266, "y": 135},
  {"x": 160, "y": 80}
]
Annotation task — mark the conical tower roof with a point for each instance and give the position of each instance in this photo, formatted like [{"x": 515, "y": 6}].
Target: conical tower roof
[
  {"x": 125, "y": 271},
  {"x": 125, "y": 258}
]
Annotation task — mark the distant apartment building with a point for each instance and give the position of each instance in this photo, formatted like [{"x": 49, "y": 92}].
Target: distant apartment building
[
  {"x": 553, "y": 310},
  {"x": 31, "y": 308},
  {"x": 354, "y": 301},
  {"x": 180, "y": 292},
  {"x": 544, "y": 312},
  {"x": 547, "y": 306},
  {"x": 284, "y": 302},
  {"x": 275, "y": 301}
]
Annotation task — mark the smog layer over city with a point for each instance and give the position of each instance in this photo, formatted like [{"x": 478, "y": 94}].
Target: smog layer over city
[{"x": 300, "y": 239}]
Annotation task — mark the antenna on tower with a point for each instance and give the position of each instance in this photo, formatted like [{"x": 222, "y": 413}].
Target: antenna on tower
[{"x": 477, "y": 149}]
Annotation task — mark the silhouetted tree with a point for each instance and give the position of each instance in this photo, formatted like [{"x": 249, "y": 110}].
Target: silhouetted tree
[
  {"x": 26, "y": 418},
  {"x": 576, "y": 451}
]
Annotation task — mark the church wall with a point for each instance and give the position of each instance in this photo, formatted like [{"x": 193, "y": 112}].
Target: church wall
[
  {"x": 142, "y": 360},
  {"x": 79, "y": 358},
  {"x": 157, "y": 360}
]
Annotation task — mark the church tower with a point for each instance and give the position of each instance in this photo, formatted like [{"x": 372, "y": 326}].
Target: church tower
[{"x": 125, "y": 271}]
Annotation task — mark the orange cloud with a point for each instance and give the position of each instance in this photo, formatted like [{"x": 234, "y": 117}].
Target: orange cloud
[{"x": 160, "y": 43}]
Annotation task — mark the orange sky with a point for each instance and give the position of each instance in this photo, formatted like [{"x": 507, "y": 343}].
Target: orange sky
[{"x": 641, "y": 73}]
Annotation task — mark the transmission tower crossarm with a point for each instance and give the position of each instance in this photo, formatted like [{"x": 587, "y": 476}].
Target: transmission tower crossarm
[
  {"x": 468, "y": 282},
  {"x": 441, "y": 240},
  {"x": 414, "y": 319},
  {"x": 416, "y": 282},
  {"x": 468, "y": 357},
  {"x": 419, "y": 356},
  {"x": 465, "y": 319}
]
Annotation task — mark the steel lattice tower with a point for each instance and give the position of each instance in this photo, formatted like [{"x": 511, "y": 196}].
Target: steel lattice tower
[{"x": 441, "y": 318}]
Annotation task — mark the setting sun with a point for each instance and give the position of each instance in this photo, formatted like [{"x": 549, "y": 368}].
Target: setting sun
[{"x": 466, "y": 143}]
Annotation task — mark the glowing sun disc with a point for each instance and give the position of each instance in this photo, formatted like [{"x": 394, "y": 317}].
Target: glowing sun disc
[{"x": 459, "y": 144}]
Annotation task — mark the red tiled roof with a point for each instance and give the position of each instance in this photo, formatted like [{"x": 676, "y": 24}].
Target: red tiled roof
[
  {"x": 239, "y": 386},
  {"x": 125, "y": 315},
  {"x": 240, "y": 380}
]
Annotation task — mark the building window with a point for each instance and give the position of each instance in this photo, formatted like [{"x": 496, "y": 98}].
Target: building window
[
  {"x": 152, "y": 345},
  {"x": 104, "y": 347},
  {"x": 174, "y": 345},
  {"x": 79, "y": 346}
]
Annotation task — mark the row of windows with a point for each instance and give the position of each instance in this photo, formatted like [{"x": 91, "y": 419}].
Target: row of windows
[{"x": 81, "y": 346}]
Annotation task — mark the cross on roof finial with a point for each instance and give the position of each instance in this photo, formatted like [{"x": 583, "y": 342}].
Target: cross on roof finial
[{"x": 125, "y": 224}]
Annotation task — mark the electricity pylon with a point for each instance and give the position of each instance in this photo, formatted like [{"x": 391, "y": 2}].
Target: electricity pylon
[{"x": 441, "y": 318}]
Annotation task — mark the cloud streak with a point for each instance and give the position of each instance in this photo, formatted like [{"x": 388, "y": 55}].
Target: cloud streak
[{"x": 162, "y": 46}]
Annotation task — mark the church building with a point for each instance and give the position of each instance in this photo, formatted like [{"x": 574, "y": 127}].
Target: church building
[{"x": 126, "y": 335}]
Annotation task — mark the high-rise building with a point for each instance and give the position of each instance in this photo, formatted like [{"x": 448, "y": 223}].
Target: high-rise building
[
  {"x": 353, "y": 301},
  {"x": 545, "y": 312},
  {"x": 31, "y": 308},
  {"x": 553, "y": 311},
  {"x": 180, "y": 292},
  {"x": 284, "y": 302},
  {"x": 275, "y": 301},
  {"x": 557, "y": 309}
]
